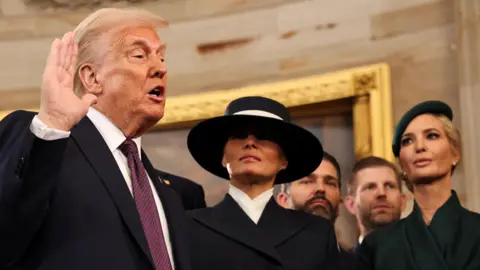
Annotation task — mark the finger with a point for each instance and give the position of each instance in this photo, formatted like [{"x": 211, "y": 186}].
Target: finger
[
  {"x": 62, "y": 52},
  {"x": 89, "y": 99},
  {"x": 68, "y": 56},
  {"x": 52, "y": 59},
  {"x": 51, "y": 66},
  {"x": 73, "y": 60}
]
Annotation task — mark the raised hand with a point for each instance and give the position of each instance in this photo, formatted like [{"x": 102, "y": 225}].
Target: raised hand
[{"x": 60, "y": 108}]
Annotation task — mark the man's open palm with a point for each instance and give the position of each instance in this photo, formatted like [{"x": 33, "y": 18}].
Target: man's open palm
[{"x": 60, "y": 108}]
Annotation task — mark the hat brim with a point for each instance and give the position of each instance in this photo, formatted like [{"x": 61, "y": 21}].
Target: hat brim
[
  {"x": 427, "y": 107},
  {"x": 206, "y": 142}
]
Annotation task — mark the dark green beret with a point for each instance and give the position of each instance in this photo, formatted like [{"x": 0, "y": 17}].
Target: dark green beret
[{"x": 430, "y": 107}]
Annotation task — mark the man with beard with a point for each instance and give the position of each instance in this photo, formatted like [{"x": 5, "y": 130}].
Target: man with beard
[
  {"x": 317, "y": 194},
  {"x": 375, "y": 194}
]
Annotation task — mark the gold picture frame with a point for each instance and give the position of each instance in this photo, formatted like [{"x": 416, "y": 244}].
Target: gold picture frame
[{"x": 368, "y": 87}]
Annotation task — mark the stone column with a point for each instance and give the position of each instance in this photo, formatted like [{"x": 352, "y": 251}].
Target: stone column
[{"x": 467, "y": 14}]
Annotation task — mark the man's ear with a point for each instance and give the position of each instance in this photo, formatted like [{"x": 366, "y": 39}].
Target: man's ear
[
  {"x": 282, "y": 199},
  {"x": 350, "y": 204},
  {"x": 88, "y": 77},
  {"x": 224, "y": 162},
  {"x": 403, "y": 201},
  {"x": 284, "y": 165}
]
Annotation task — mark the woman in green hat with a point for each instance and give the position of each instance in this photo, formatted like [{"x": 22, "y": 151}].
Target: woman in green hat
[{"x": 439, "y": 233}]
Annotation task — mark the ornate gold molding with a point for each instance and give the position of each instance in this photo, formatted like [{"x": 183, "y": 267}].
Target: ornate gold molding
[
  {"x": 365, "y": 82},
  {"x": 368, "y": 87},
  {"x": 295, "y": 92}
]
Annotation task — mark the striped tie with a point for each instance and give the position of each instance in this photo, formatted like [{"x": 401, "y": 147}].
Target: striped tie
[{"x": 146, "y": 207}]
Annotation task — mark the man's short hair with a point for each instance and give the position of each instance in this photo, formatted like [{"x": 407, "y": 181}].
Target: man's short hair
[
  {"x": 97, "y": 24},
  {"x": 328, "y": 157},
  {"x": 371, "y": 162},
  {"x": 277, "y": 189}
]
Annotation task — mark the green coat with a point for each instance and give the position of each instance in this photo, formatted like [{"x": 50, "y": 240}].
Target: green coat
[{"x": 451, "y": 242}]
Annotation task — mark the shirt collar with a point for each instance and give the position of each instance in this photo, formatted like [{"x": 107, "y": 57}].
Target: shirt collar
[
  {"x": 246, "y": 203},
  {"x": 238, "y": 194},
  {"x": 110, "y": 133}
]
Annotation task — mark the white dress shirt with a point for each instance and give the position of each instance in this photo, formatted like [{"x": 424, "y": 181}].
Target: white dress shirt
[
  {"x": 360, "y": 239},
  {"x": 252, "y": 207},
  {"x": 113, "y": 137}
]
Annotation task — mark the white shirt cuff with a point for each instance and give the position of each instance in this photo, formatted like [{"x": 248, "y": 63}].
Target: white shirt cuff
[{"x": 39, "y": 129}]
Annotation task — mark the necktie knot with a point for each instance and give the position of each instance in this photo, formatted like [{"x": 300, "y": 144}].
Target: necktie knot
[{"x": 129, "y": 147}]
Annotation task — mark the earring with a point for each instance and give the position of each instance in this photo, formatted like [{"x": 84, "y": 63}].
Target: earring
[
  {"x": 455, "y": 163},
  {"x": 403, "y": 175}
]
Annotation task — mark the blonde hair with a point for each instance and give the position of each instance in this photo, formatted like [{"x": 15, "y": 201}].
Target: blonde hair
[
  {"x": 96, "y": 25},
  {"x": 454, "y": 138},
  {"x": 453, "y": 135}
]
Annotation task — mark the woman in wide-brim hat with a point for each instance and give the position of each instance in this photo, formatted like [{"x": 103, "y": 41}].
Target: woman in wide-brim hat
[
  {"x": 265, "y": 119},
  {"x": 254, "y": 146},
  {"x": 439, "y": 233}
]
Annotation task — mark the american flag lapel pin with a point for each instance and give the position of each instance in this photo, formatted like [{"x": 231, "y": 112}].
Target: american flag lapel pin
[{"x": 164, "y": 181}]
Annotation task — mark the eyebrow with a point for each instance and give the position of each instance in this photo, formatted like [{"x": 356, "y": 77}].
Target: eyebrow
[
  {"x": 330, "y": 177},
  {"x": 146, "y": 43},
  {"x": 376, "y": 183}
]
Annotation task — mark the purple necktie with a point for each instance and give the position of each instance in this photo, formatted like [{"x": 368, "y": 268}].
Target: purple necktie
[{"x": 142, "y": 193}]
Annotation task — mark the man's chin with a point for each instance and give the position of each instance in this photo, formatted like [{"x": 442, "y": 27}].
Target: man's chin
[
  {"x": 154, "y": 115},
  {"x": 383, "y": 221},
  {"x": 320, "y": 211}
]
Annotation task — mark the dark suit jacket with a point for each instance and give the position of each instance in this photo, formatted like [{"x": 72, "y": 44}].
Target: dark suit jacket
[
  {"x": 450, "y": 242},
  {"x": 191, "y": 193},
  {"x": 224, "y": 237},
  {"x": 64, "y": 204},
  {"x": 355, "y": 248},
  {"x": 347, "y": 260}
]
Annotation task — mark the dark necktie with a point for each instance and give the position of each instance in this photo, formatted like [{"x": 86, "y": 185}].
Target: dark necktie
[{"x": 146, "y": 207}]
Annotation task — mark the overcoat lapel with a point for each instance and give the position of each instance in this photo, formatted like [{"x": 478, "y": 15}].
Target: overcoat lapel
[
  {"x": 278, "y": 224},
  {"x": 429, "y": 245},
  {"x": 96, "y": 151},
  {"x": 454, "y": 242},
  {"x": 228, "y": 219}
]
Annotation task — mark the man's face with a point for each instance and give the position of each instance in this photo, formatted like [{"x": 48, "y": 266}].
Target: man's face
[
  {"x": 378, "y": 199},
  {"x": 247, "y": 155},
  {"x": 132, "y": 76},
  {"x": 318, "y": 193}
]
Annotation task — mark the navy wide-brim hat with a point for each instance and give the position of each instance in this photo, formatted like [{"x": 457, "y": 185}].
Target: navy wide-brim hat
[
  {"x": 427, "y": 107},
  {"x": 303, "y": 151}
]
